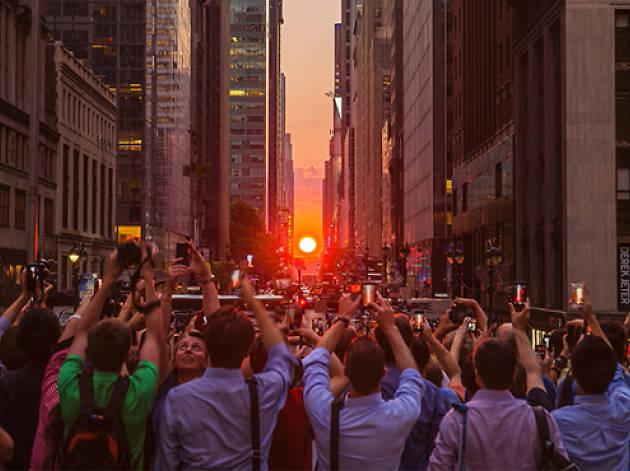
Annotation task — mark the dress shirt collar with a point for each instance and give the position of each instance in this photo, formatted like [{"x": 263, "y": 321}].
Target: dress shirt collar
[
  {"x": 493, "y": 395},
  {"x": 371, "y": 399},
  {"x": 591, "y": 399},
  {"x": 223, "y": 373}
]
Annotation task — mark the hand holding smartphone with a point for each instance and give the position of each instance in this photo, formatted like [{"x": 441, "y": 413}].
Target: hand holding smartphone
[
  {"x": 183, "y": 251},
  {"x": 369, "y": 293},
  {"x": 519, "y": 295}
]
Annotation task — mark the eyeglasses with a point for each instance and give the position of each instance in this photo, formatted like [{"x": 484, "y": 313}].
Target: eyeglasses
[{"x": 195, "y": 347}]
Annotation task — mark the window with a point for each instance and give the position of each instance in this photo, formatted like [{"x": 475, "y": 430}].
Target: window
[
  {"x": 75, "y": 198},
  {"x": 66, "y": 178},
  {"x": 623, "y": 184},
  {"x": 20, "y": 209},
  {"x": 95, "y": 193},
  {"x": 5, "y": 205},
  {"x": 86, "y": 192},
  {"x": 101, "y": 191},
  {"x": 49, "y": 214}
]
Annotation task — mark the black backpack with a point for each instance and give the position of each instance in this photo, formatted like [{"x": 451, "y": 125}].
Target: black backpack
[{"x": 97, "y": 439}]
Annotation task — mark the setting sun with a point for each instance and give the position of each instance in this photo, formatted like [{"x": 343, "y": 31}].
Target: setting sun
[{"x": 308, "y": 245}]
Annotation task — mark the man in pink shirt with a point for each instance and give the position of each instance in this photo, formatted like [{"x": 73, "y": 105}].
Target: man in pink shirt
[{"x": 501, "y": 431}]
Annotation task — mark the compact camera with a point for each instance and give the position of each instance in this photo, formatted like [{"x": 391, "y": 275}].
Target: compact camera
[{"x": 36, "y": 271}]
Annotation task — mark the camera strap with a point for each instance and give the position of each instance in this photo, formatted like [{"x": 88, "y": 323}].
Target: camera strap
[
  {"x": 255, "y": 423},
  {"x": 335, "y": 408}
]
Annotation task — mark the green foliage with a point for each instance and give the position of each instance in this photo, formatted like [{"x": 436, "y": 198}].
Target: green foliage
[
  {"x": 222, "y": 272},
  {"x": 248, "y": 236}
]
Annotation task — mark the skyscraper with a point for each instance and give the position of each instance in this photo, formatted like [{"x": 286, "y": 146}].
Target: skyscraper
[
  {"x": 275, "y": 133},
  {"x": 132, "y": 44},
  {"x": 248, "y": 103},
  {"x": 210, "y": 166}
]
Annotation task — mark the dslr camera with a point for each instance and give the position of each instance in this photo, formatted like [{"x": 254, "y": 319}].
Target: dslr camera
[
  {"x": 36, "y": 271},
  {"x": 129, "y": 254}
]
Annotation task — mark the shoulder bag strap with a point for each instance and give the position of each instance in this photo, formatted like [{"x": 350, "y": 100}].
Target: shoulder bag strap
[
  {"x": 255, "y": 423},
  {"x": 462, "y": 455},
  {"x": 336, "y": 406},
  {"x": 86, "y": 391},
  {"x": 117, "y": 398},
  {"x": 550, "y": 455}
]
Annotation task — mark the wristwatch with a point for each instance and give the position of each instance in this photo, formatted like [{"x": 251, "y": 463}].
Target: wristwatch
[
  {"x": 209, "y": 279},
  {"x": 345, "y": 321}
]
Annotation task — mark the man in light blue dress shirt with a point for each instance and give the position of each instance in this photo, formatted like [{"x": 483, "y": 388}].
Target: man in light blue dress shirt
[
  {"x": 596, "y": 429},
  {"x": 206, "y": 422},
  {"x": 372, "y": 432}
]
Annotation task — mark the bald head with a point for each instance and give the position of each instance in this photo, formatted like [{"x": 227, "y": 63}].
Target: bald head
[{"x": 505, "y": 331}]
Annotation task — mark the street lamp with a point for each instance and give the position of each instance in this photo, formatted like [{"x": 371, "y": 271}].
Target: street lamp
[
  {"x": 493, "y": 258},
  {"x": 76, "y": 253}
]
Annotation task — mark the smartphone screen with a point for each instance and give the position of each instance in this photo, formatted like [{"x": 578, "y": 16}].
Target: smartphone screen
[
  {"x": 418, "y": 321},
  {"x": 236, "y": 278},
  {"x": 520, "y": 295},
  {"x": 368, "y": 294},
  {"x": 546, "y": 339},
  {"x": 540, "y": 350},
  {"x": 183, "y": 251},
  {"x": 577, "y": 293},
  {"x": 472, "y": 325}
]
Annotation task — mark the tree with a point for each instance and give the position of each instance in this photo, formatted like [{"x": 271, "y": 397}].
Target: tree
[{"x": 248, "y": 236}]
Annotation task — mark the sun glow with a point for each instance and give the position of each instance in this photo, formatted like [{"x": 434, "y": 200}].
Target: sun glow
[{"x": 308, "y": 245}]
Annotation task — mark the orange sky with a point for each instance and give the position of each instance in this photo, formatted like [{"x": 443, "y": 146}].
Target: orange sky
[{"x": 308, "y": 63}]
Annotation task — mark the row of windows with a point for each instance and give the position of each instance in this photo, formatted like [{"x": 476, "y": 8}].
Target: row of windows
[
  {"x": 87, "y": 194},
  {"x": 19, "y": 209},
  {"x": 76, "y": 113},
  {"x": 249, "y": 172}
]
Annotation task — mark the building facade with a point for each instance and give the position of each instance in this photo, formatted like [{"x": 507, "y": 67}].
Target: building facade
[
  {"x": 166, "y": 189},
  {"x": 482, "y": 140},
  {"x": 275, "y": 122},
  {"x": 25, "y": 187},
  {"x": 571, "y": 126},
  {"x": 248, "y": 103},
  {"x": 210, "y": 158},
  {"x": 426, "y": 106},
  {"x": 111, "y": 38},
  {"x": 372, "y": 101},
  {"x": 85, "y": 172}
]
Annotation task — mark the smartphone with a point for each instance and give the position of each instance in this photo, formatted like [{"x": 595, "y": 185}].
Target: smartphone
[
  {"x": 547, "y": 340},
  {"x": 183, "y": 251},
  {"x": 97, "y": 284},
  {"x": 519, "y": 295},
  {"x": 540, "y": 350},
  {"x": 236, "y": 278},
  {"x": 418, "y": 321},
  {"x": 577, "y": 294},
  {"x": 368, "y": 294},
  {"x": 472, "y": 325},
  {"x": 200, "y": 321}
]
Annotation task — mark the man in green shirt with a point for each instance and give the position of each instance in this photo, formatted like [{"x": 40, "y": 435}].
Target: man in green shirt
[{"x": 106, "y": 344}]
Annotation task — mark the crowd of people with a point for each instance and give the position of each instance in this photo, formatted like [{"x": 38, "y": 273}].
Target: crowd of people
[{"x": 128, "y": 392}]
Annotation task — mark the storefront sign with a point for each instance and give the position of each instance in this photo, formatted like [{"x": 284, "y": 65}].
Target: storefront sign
[{"x": 623, "y": 277}]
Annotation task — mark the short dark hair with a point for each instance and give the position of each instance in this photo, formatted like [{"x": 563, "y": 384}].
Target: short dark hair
[
  {"x": 402, "y": 322},
  {"x": 108, "y": 345},
  {"x": 349, "y": 333},
  {"x": 11, "y": 355},
  {"x": 38, "y": 332},
  {"x": 495, "y": 363},
  {"x": 229, "y": 334},
  {"x": 593, "y": 364},
  {"x": 617, "y": 338},
  {"x": 365, "y": 364},
  {"x": 420, "y": 352}
]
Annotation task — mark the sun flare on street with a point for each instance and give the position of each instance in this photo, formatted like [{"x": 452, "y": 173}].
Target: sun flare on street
[{"x": 308, "y": 245}]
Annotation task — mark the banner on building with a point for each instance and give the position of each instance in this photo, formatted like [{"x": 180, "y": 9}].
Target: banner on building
[{"x": 623, "y": 277}]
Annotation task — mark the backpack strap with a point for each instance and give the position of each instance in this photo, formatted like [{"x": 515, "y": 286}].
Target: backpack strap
[
  {"x": 117, "y": 398},
  {"x": 463, "y": 408},
  {"x": 255, "y": 423},
  {"x": 550, "y": 455},
  {"x": 335, "y": 408},
  {"x": 86, "y": 391}
]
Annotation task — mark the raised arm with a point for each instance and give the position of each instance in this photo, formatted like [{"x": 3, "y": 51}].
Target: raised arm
[
  {"x": 525, "y": 354},
  {"x": 590, "y": 319},
  {"x": 94, "y": 309},
  {"x": 166, "y": 299},
  {"x": 11, "y": 313},
  {"x": 205, "y": 279},
  {"x": 154, "y": 347},
  {"x": 347, "y": 309},
  {"x": 445, "y": 359},
  {"x": 385, "y": 318},
  {"x": 269, "y": 332},
  {"x": 6, "y": 447},
  {"x": 478, "y": 313}
]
